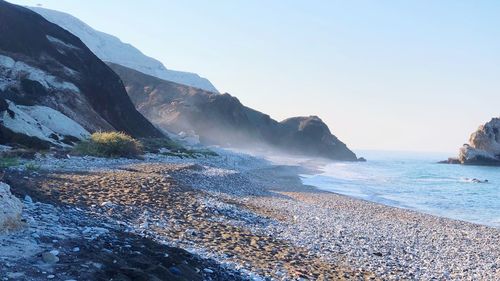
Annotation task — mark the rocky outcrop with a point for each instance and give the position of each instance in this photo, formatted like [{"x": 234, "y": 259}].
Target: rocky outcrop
[
  {"x": 10, "y": 209},
  {"x": 222, "y": 119},
  {"x": 43, "y": 125},
  {"x": 484, "y": 145},
  {"x": 310, "y": 135},
  {"x": 42, "y": 64}
]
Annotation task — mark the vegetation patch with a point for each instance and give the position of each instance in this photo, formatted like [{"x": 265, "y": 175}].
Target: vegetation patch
[
  {"x": 168, "y": 147},
  {"x": 109, "y": 145},
  {"x": 191, "y": 153},
  {"x": 32, "y": 167},
  {"x": 6, "y": 162},
  {"x": 154, "y": 145},
  {"x": 21, "y": 153}
]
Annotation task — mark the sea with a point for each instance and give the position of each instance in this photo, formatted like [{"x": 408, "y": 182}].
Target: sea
[{"x": 416, "y": 181}]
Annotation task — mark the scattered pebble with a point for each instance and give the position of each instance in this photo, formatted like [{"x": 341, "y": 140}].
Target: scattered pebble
[
  {"x": 175, "y": 270},
  {"x": 27, "y": 199},
  {"x": 50, "y": 258}
]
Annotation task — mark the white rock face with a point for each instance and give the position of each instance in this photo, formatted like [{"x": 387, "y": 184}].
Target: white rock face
[
  {"x": 61, "y": 43},
  {"x": 11, "y": 70},
  {"x": 10, "y": 209},
  {"x": 55, "y": 121},
  {"x": 487, "y": 137},
  {"x": 484, "y": 145},
  {"x": 110, "y": 49},
  {"x": 41, "y": 122},
  {"x": 468, "y": 153}
]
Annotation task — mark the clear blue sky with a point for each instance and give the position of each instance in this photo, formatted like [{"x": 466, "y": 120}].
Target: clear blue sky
[{"x": 397, "y": 75}]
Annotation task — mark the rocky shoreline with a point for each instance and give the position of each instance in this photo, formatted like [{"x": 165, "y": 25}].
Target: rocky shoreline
[{"x": 239, "y": 218}]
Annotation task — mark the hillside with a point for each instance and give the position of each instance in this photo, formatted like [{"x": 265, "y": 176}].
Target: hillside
[{"x": 222, "y": 119}]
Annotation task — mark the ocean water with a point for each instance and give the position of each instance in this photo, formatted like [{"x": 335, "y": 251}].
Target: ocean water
[{"x": 417, "y": 182}]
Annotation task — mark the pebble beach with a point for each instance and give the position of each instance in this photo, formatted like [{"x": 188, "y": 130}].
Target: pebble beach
[{"x": 252, "y": 220}]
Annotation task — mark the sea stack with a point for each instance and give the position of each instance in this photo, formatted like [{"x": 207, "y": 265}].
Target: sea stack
[{"x": 484, "y": 146}]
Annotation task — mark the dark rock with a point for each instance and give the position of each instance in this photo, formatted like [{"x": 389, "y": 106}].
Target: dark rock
[
  {"x": 175, "y": 270},
  {"x": 32, "y": 88},
  {"x": 311, "y": 136},
  {"x": 482, "y": 161},
  {"x": 450, "y": 160}
]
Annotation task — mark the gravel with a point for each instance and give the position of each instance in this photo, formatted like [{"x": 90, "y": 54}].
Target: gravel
[{"x": 392, "y": 243}]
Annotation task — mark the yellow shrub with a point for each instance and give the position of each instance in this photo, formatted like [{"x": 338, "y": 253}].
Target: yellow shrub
[{"x": 110, "y": 144}]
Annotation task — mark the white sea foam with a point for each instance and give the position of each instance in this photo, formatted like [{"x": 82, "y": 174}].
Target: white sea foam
[{"x": 453, "y": 191}]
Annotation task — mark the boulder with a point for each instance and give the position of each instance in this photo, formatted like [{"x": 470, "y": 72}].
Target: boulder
[{"x": 10, "y": 209}]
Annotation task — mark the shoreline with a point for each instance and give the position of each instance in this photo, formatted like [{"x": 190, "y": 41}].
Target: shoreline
[
  {"x": 405, "y": 224},
  {"x": 389, "y": 195},
  {"x": 261, "y": 221},
  {"x": 404, "y": 208}
]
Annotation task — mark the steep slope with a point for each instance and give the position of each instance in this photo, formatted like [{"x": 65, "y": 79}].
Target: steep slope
[
  {"x": 484, "y": 145},
  {"x": 110, "y": 49},
  {"x": 41, "y": 64},
  {"x": 222, "y": 119},
  {"x": 311, "y": 135}
]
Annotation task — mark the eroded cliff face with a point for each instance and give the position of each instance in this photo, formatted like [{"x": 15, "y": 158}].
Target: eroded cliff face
[
  {"x": 487, "y": 137},
  {"x": 42, "y": 64},
  {"x": 222, "y": 119},
  {"x": 484, "y": 145}
]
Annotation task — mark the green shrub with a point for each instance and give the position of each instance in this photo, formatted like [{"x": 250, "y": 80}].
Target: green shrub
[
  {"x": 154, "y": 145},
  {"x": 32, "y": 167},
  {"x": 110, "y": 144},
  {"x": 205, "y": 152},
  {"x": 6, "y": 162},
  {"x": 191, "y": 153}
]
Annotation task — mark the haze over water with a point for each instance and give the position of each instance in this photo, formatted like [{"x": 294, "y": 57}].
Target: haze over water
[{"x": 415, "y": 181}]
